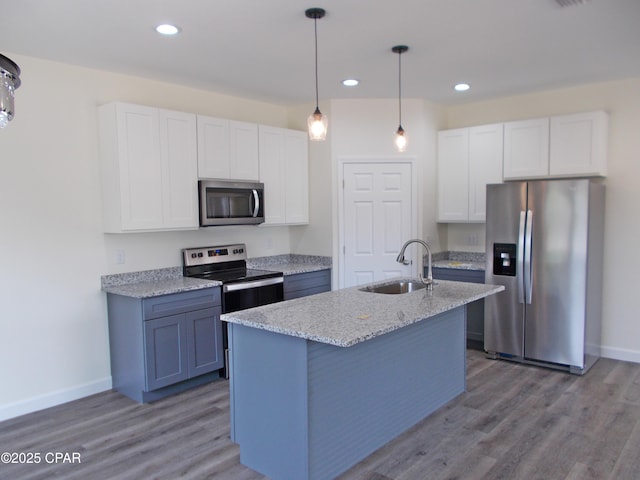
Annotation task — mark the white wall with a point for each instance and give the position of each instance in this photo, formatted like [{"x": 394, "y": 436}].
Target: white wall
[
  {"x": 315, "y": 238},
  {"x": 621, "y": 328},
  {"x": 53, "y": 328},
  {"x": 363, "y": 129}
]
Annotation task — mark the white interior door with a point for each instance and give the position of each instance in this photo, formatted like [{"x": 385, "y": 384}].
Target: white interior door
[{"x": 376, "y": 221}]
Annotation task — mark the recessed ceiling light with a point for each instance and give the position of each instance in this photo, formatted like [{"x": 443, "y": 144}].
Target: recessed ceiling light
[
  {"x": 167, "y": 29},
  {"x": 350, "y": 82},
  {"x": 461, "y": 87}
]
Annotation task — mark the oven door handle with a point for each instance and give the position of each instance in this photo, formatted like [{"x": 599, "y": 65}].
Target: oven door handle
[{"x": 234, "y": 287}]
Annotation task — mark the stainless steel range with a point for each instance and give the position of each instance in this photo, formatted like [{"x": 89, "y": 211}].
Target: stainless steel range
[{"x": 242, "y": 287}]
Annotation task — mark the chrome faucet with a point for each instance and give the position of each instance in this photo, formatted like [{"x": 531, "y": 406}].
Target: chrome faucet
[{"x": 400, "y": 259}]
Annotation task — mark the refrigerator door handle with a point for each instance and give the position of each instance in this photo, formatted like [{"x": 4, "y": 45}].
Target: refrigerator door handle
[
  {"x": 520, "y": 257},
  {"x": 528, "y": 269}
]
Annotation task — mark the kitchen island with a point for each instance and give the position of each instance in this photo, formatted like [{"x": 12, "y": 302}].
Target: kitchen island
[{"x": 321, "y": 382}]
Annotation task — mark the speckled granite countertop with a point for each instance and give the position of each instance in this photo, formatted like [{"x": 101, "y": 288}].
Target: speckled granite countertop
[
  {"x": 349, "y": 316},
  {"x": 291, "y": 264},
  {"x": 458, "y": 260},
  {"x": 165, "y": 281},
  {"x": 153, "y": 283}
]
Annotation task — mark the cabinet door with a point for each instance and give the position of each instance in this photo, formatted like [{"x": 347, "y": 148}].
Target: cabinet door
[
  {"x": 485, "y": 166},
  {"x": 213, "y": 147},
  {"x": 296, "y": 177},
  {"x": 140, "y": 175},
  {"x": 272, "y": 174},
  {"x": 165, "y": 342},
  {"x": 179, "y": 169},
  {"x": 475, "y": 310},
  {"x": 578, "y": 145},
  {"x": 204, "y": 332},
  {"x": 526, "y": 149},
  {"x": 453, "y": 175},
  {"x": 305, "y": 284},
  {"x": 243, "y": 151}
]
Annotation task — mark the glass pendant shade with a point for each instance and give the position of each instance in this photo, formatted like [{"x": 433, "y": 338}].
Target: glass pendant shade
[
  {"x": 9, "y": 81},
  {"x": 317, "y": 124},
  {"x": 400, "y": 139},
  {"x": 6, "y": 101}
]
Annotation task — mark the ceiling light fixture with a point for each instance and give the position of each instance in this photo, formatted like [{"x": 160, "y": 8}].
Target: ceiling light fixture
[
  {"x": 461, "y": 87},
  {"x": 350, "y": 82},
  {"x": 317, "y": 122},
  {"x": 167, "y": 29},
  {"x": 400, "y": 135},
  {"x": 9, "y": 81}
]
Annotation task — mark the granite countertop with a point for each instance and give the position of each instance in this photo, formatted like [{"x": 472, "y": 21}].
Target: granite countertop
[
  {"x": 458, "y": 260},
  {"x": 153, "y": 283},
  {"x": 165, "y": 281},
  {"x": 291, "y": 264},
  {"x": 350, "y": 316}
]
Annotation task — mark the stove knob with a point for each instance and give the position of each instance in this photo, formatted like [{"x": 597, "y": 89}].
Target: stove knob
[
  {"x": 194, "y": 255},
  {"x": 241, "y": 250},
  {"x": 200, "y": 255},
  {"x": 235, "y": 251}
]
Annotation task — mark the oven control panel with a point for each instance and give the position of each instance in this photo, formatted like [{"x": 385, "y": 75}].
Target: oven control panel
[{"x": 219, "y": 254}]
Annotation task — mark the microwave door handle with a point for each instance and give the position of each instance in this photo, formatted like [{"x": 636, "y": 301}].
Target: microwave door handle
[{"x": 256, "y": 203}]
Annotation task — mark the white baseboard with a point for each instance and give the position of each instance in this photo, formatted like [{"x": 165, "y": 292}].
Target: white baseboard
[
  {"x": 620, "y": 354},
  {"x": 54, "y": 398}
]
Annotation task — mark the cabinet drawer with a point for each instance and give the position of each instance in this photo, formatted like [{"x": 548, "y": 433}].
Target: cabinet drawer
[
  {"x": 304, "y": 281},
  {"x": 180, "y": 302}
]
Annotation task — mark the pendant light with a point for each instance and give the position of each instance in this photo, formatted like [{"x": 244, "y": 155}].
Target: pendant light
[
  {"x": 317, "y": 122},
  {"x": 400, "y": 137},
  {"x": 9, "y": 81}
]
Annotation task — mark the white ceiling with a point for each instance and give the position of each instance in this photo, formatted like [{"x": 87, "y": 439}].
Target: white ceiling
[{"x": 263, "y": 49}]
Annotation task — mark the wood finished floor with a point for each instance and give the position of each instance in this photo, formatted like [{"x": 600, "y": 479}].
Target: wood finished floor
[{"x": 514, "y": 422}]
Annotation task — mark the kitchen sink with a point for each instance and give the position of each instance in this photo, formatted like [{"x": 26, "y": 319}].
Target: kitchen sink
[{"x": 395, "y": 288}]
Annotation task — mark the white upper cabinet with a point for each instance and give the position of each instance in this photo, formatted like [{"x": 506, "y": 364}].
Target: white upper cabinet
[
  {"x": 579, "y": 144},
  {"x": 148, "y": 168},
  {"x": 213, "y": 147},
  {"x": 178, "y": 154},
  {"x": 284, "y": 170},
  {"x": 468, "y": 160},
  {"x": 296, "y": 160},
  {"x": 244, "y": 161},
  {"x": 485, "y": 166},
  {"x": 227, "y": 149},
  {"x": 453, "y": 175},
  {"x": 526, "y": 149},
  {"x": 559, "y": 146}
]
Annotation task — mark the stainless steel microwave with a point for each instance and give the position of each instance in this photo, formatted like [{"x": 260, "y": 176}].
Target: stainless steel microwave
[{"x": 230, "y": 202}]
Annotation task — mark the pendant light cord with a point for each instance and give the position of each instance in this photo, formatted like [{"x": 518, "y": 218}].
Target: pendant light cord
[
  {"x": 315, "y": 28},
  {"x": 399, "y": 89}
]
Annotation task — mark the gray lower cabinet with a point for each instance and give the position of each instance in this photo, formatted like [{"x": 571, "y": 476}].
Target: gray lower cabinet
[
  {"x": 304, "y": 284},
  {"x": 475, "y": 310},
  {"x": 165, "y": 344}
]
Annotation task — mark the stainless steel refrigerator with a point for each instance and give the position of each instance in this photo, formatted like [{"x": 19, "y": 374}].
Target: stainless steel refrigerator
[{"x": 544, "y": 243}]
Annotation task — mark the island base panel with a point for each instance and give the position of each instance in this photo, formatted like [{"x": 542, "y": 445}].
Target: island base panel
[{"x": 309, "y": 410}]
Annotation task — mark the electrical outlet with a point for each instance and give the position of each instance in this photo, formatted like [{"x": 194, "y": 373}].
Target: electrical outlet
[{"x": 119, "y": 257}]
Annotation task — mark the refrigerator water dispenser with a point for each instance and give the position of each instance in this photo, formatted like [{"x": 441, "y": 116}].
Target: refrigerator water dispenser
[{"x": 504, "y": 259}]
